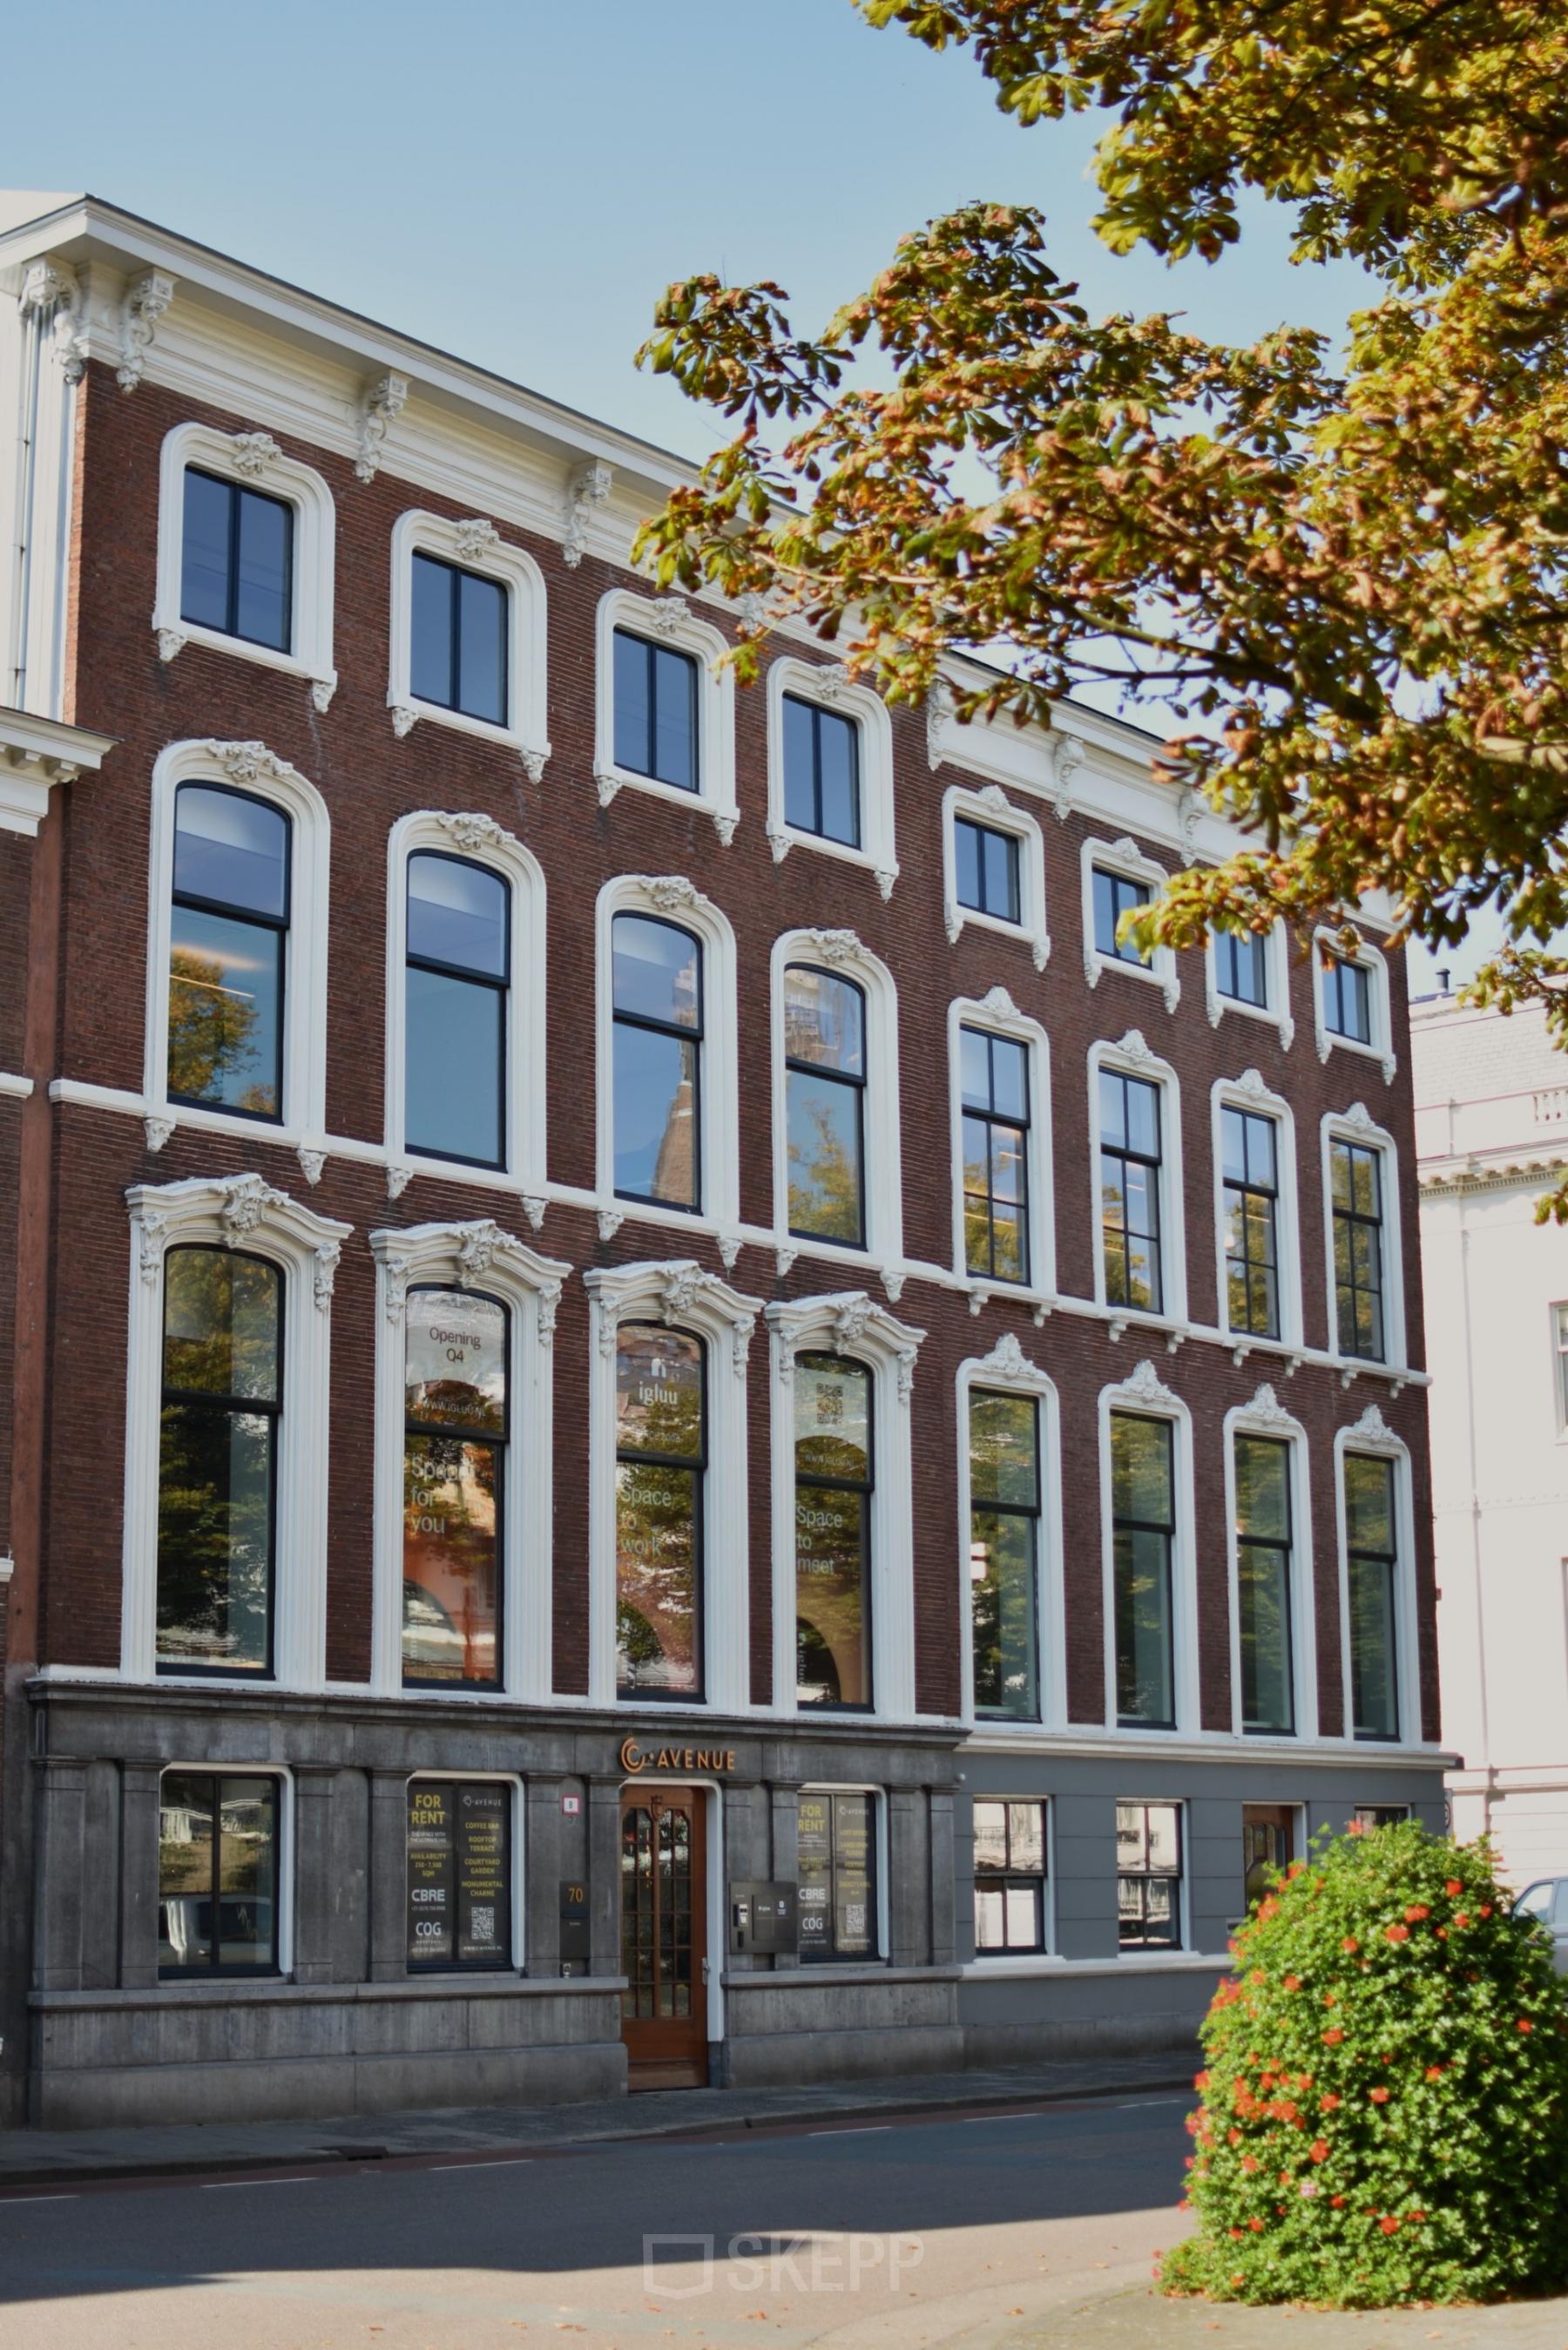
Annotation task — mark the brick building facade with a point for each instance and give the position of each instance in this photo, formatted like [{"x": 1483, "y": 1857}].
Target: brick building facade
[{"x": 818, "y": 1855}]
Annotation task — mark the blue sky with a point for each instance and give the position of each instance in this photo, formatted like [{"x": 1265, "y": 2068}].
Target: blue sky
[{"x": 517, "y": 181}]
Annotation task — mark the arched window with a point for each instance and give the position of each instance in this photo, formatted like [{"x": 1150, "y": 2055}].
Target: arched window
[
  {"x": 661, "y": 1458},
  {"x": 833, "y": 1481},
  {"x": 457, "y": 979},
  {"x": 217, "y": 1485},
  {"x": 825, "y": 1090},
  {"x": 456, "y": 1426},
  {"x": 657, "y": 995},
  {"x": 228, "y": 940}
]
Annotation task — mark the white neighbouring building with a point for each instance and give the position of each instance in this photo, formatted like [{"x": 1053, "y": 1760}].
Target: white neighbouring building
[{"x": 1492, "y": 1133}]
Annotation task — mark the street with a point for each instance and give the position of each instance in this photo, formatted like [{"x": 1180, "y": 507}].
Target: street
[{"x": 932, "y": 2231}]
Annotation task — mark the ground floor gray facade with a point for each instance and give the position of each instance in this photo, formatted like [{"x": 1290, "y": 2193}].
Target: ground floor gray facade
[{"x": 640, "y": 1898}]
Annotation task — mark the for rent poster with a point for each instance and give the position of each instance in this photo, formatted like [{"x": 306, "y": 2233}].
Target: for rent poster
[{"x": 460, "y": 1892}]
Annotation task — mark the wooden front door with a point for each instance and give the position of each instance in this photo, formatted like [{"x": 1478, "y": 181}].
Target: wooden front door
[{"x": 663, "y": 1937}]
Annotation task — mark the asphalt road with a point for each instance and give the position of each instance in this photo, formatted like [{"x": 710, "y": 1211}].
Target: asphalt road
[{"x": 922, "y": 2231}]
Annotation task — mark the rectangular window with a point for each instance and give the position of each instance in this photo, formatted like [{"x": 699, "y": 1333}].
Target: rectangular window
[
  {"x": 655, "y": 711},
  {"x": 834, "y": 1473},
  {"x": 1004, "y": 1553},
  {"x": 1249, "y": 1150},
  {"x": 217, "y": 1485},
  {"x": 459, "y": 958},
  {"x": 656, "y": 1047},
  {"x": 837, "y": 1897},
  {"x": 1560, "y": 1343},
  {"x": 994, "y": 1077},
  {"x": 822, "y": 771},
  {"x": 1009, "y": 1877},
  {"x": 662, "y": 1455},
  {"x": 1346, "y": 999},
  {"x": 1268, "y": 1841},
  {"x": 1242, "y": 968},
  {"x": 228, "y": 938},
  {"x": 455, "y": 1478},
  {"x": 1372, "y": 1557},
  {"x": 1263, "y": 1535},
  {"x": 987, "y": 866},
  {"x": 459, "y": 1874},
  {"x": 825, "y": 1112},
  {"x": 459, "y": 653},
  {"x": 1116, "y": 895},
  {"x": 1148, "y": 1876},
  {"x": 237, "y": 561},
  {"x": 1367, "y": 1816},
  {"x": 217, "y": 1875},
  {"x": 1357, "y": 1177},
  {"x": 1143, "y": 1524},
  {"x": 1129, "y": 1191}
]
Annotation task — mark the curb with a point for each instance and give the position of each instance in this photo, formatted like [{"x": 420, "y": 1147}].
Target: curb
[{"x": 342, "y": 2159}]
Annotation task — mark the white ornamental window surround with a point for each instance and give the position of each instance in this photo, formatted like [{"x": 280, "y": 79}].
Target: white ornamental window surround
[
  {"x": 478, "y": 546},
  {"x": 1366, "y": 957},
  {"x": 255, "y": 462},
  {"x": 252, "y": 769},
  {"x": 669, "y": 622},
  {"x": 1007, "y": 1370},
  {"x": 997, "y": 1015},
  {"x": 481, "y": 1258},
  {"x": 679, "y": 1293},
  {"x": 1356, "y": 1125},
  {"x": 1371, "y": 1434},
  {"x": 1131, "y": 1056},
  {"x": 1276, "y": 1013},
  {"x": 247, "y": 1213},
  {"x": 672, "y": 898},
  {"x": 1249, "y": 1093},
  {"x": 1266, "y": 1416},
  {"x": 841, "y": 955},
  {"x": 989, "y": 805},
  {"x": 1145, "y": 1396},
  {"x": 1125, "y": 856},
  {"x": 851, "y": 1324},
  {"x": 827, "y": 686},
  {"x": 479, "y": 840}
]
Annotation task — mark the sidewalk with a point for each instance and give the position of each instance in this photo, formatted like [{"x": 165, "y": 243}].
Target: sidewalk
[
  {"x": 32, "y": 2156},
  {"x": 1143, "y": 2320}
]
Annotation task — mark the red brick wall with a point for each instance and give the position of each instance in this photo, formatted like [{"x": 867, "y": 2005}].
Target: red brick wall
[{"x": 369, "y": 778}]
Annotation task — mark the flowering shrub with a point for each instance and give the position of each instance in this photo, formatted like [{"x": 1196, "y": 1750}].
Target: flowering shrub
[{"x": 1385, "y": 2113}]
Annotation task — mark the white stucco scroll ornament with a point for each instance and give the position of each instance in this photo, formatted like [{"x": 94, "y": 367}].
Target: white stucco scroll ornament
[{"x": 146, "y": 299}]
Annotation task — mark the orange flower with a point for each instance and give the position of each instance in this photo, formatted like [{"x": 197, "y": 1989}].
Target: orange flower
[
  {"x": 1417, "y": 1911},
  {"x": 1453, "y": 1888},
  {"x": 1268, "y": 1906},
  {"x": 1461, "y": 1918},
  {"x": 1486, "y": 1909},
  {"x": 1249, "y": 2162},
  {"x": 1237, "y": 2233},
  {"x": 1329, "y": 2000},
  {"x": 1200, "y": 2080},
  {"x": 1441, "y": 1932},
  {"x": 1256, "y": 2226},
  {"x": 1434, "y": 2072},
  {"x": 1332, "y": 2037},
  {"x": 1319, "y": 2149},
  {"x": 1389, "y": 2225},
  {"x": 1396, "y": 1933},
  {"x": 1329, "y": 2104},
  {"x": 1337, "y": 2202},
  {"x": 1414, "y": 2215},
  {"x": 1380, "y": 2097},
  {"x": 1350, "y": 1943},
  {"x": 1234, "y": 2137},
  {"x": 1525, "y": 2024}
]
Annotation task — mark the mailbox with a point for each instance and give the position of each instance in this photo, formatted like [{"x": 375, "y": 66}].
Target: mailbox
[
  {"x": 763, "y": 1918},
  {"x": 574, "y": 1946}
]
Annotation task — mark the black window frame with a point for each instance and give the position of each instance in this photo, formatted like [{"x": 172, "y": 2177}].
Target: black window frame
[
  {"x": 831, "y": 1955},
  {"x": 697, "y": 1463},
  {"x": 1342, "y": 1148},
  {"x": 1284, "y": 1552},
  {"x": 817, "y": 831},
  {"x": 695, "y": 1034},
  {"x": 420, "y": 1967},
  {"x": 457, "y": 573},
  {"x": 1126, "y": 891},
  {"x": 1014, "y": 845},
  {"x": 1167, "y": 1530},
  {"x": 1147, "y": 1876},
  {"x": 1368, "y": 1818},
  {"x": 1228, "y": 946},
  {"x": 1236, "y": 1197},
  {"x": 1388, "y": 1562},
  {"x": 238, "y": 492},
  {"x": 205, "y": 1398},
  {"x": 1117, "y": 1293},
  {"x": 1010, "y": 1878},
  {"x": 1032, "y": 1514},
  {"x": 1023, "y": 1125},
  {"x": 464, "y": 1432},
  {"x": 650, "y": 651},
  {"x": 500, "y": 986},
  {"x": 1336, "y": 967},
  {"x": 280, "y": 924},
  {"x": 809, "y": 1359},
  {"x": 794, "y": 1066},
  {"x": 215, "y": 1969}
]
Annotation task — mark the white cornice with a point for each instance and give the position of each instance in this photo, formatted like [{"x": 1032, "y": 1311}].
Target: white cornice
[{"x": 37, "y": 754}]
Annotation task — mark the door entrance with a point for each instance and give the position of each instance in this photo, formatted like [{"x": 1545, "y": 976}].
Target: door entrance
[{"x": 664, "y": 1937}]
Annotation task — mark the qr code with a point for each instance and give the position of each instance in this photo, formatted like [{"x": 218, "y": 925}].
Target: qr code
[{"x": 481, "y": 1923}]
